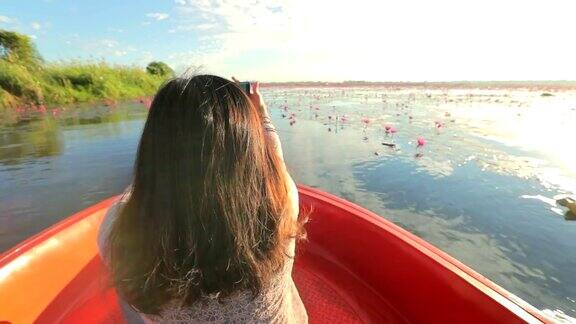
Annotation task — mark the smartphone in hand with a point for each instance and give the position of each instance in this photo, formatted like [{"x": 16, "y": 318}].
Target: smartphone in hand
[{"x": 245, "y": 86}]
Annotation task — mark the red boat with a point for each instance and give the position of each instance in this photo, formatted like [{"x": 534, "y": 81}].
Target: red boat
[{"x": 356, "y": 267}]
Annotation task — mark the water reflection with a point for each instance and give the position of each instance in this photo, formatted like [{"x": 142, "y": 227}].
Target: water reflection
[
  {"x": 484, "y": 224},
  {"x": 40, "y": 135},
  {"x": 52, "y": 166},
  {"x": 38, "y": 138}
]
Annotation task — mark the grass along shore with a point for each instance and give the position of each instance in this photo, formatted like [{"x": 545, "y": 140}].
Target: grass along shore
[{"x": 27, "y": 80}]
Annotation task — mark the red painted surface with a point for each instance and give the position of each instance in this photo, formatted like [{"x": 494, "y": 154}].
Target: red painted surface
[{"x": 355, "y": 267}]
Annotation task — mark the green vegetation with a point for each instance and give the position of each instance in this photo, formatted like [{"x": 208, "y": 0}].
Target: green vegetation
[
  {"x": 160, "y": 68},
  {"x": 17, "y": 48},
  {"x": 25, "y": 79}
]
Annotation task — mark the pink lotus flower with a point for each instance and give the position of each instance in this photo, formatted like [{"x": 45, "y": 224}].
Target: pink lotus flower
[{"x": 421, "y": 141}]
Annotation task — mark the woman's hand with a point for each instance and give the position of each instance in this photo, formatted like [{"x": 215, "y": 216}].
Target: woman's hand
[
  {"x": 256, "y": 97},
  {"x": 258, "y": 101}
]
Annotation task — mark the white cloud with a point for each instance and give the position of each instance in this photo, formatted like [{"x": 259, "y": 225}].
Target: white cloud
[
  {"x": 383, "y": 40},
  {"x": 108, "y": 49},
  {"x": 205, "y": 26},
  {"x": 5, "y": 19},
  {"x": 36, "y": 25},
  {"x": 230, "y": 29},
  {"x": 109, "y": 43},
  {"x": 158, "y": 15}
]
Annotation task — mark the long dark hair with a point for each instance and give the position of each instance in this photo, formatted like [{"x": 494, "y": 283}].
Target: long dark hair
[{"x": 209, "y": 208}]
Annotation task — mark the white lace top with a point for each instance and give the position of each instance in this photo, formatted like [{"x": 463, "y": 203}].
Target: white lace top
[{"x": 278, "y": 303}]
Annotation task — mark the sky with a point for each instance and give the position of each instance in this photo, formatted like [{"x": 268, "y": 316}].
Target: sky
[{"x": 312, "y": 40}]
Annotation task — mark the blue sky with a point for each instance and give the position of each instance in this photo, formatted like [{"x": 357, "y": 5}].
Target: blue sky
[
  {"x": 291, "y": 40},
  {"x": 119, "y": 31}
]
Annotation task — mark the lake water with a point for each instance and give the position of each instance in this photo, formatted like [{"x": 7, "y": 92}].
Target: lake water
[{"x": 482, "y": 188}]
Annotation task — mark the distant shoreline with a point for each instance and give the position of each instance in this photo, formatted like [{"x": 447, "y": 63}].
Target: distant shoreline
[{"x": 528, "y": 85}]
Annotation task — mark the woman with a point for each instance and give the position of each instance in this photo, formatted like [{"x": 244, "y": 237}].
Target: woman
[{"x": 207, "y": 231}]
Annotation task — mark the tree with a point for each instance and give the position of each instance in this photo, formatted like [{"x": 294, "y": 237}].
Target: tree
[
  {"x": 160, "y": 69},
  {"x": 18, "y": 48}
]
